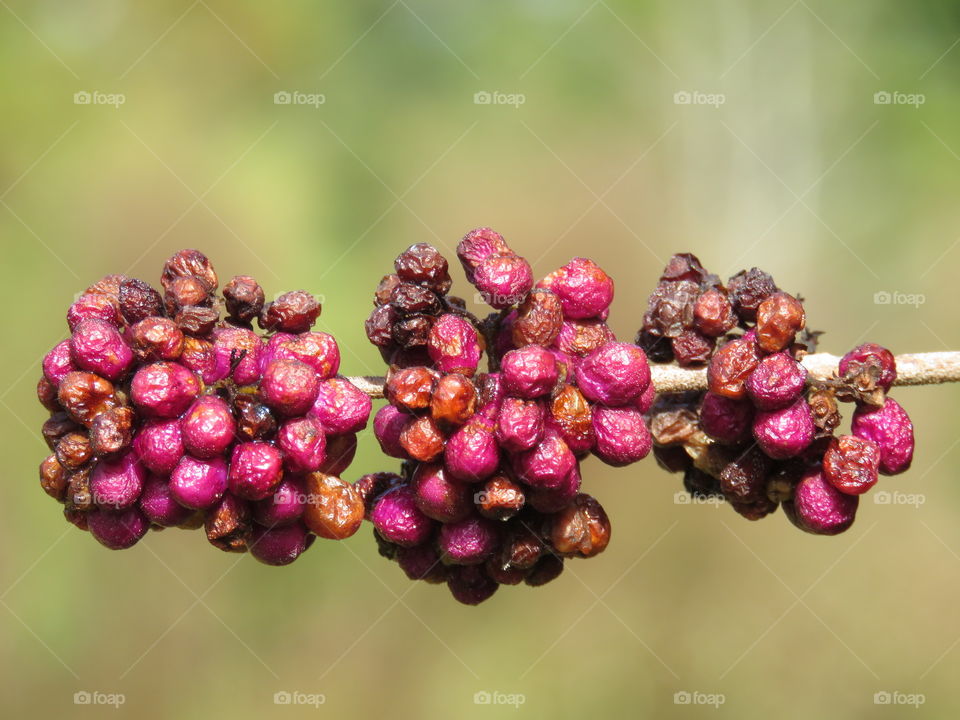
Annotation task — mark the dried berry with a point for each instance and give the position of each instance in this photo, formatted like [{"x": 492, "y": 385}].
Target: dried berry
[
  {"x": 155, "y": 338},
  {"x": 539, "y": 319},
  {"x": 410, "y": 389},
  {"x": 713, "y": 313},
  {"x": 478, "y": 245},
  {"x": 779, "y": 318},
  {"x": 744, "y": 479},
  {"x": 422, "y": 439},
  {"x": 111, "y": 432},
  {"x": 749, "y": 288},
  {"x": 731, "y": 365},
  {"x": 85, "y": 395},
  {"x": 197, "y": 320},
  {"x": 690, "y": 348},
  {"x": 189, "y": 264},
  {"x": 292, "y": 312},
  {"x": 454, "y": 399},
  {"x": 670, "y": 308},
  {"x": 424, "y": 265},
  {"x": 503, "y": 280},
  {"x": 229, "y": 524},
  {"x": 73, "y": 450},
  {"x": 244, "y": 298},
  {"x": 53, "y": 477},
  {"x": 470, "y": 585},
  {"x": 255, "y": 421},
  {"x": 582, "y": 529},
  {"x": 571, "y": 417},
  {"x": 334, "y": 510},
  {"x": 500, "y": 498},
  {"x": 870, "y": 355},
  {"x": 582, "y": 337},
  {"x": 851, "y": 464},
  {"x": 891, "y": 429}
]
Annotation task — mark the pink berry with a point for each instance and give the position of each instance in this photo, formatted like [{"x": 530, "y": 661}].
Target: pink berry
[
  {"x": 784, "y": 433},
  {"x": 290, "y": 387},
  {"x": 198, "y": 484},
  {"x": 614, "y": 374},
  {"x": 256, "y": 468},
  {"x": 341, "y": 407},
  {"x": 207, "y": 427},
  {"x": 891, "y": 429}
]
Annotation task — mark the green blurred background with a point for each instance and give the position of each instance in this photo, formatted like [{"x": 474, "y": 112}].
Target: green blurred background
[{"x": 799, "y": 170}]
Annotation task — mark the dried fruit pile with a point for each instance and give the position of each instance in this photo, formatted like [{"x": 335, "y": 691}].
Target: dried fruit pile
[
  {"x": 763, "y": 434},
  {"x": 164, "y": 415}
]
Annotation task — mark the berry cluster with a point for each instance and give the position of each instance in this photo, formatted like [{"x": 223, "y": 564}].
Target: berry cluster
[
  {"x": 162, "y": 414},
  {"x": 489, "y": 491},
  {"x": 763, "y": 434}
]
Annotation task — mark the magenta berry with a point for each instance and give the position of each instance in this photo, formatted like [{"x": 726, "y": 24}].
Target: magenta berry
[
  {"x": 207, "y": 427},
  {"x": 341, "y": 450},
  {"x": 622, "y": 435},
  {"x": 99, "y": 347},
  {"x": 284, "y": 506},
  {"x": 529, "y": 372},
  {"x": 891, "y": 429},
  {"x": 159, "y": 445},
  {"x": 470, "y": 585},
  {"x": 317, "y": 349},
  {"x": 116, "y": 484},
  {"x": 776, "y": 382},
  {"x": 304, "y": 444},
  {"x": 520, "y": 424},
  {"x": 503, "y": 280},
  {"x": 236, "y": 352},
  {"x": 820, "y": 508},
  {"x": 279, "y": 545},
  {"x": 724, "y": 419},
  {"x": 472, "y": 453},
  {"x": 439, "y": 496},
  {"x": 164, "y": 389},
  {"x": 556, "y": 498},
  {"x": 397, "y": 518},
  {"x": 478, "y": 245},
  {"x": 388, "y": 424},
  {"x": 256, "y": 468},
  {"x": 198, "y": 484},
  {"x": 784, "y": 433},
  {"x": 117, "y": 530},
  {"x": 469, "y": 541},
  {"x": 57, "y": 363},
  {"x": 585, "y": 290},
  {"x": 614, "y": 374},
  {"x": 871, "y": 354},
  {"x": 453, "y": 345},
  {"x": 340, "y": 407},
  {"x": 159, "y": 506},
  {"x": 290, "y": 387},
  {"x": 548, "y": 464}
]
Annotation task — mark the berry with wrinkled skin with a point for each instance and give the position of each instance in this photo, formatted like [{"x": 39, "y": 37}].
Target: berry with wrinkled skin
[
  {"x": 691, "y": 349},
  {"x": 423, "y": 264},
  {"x": 581, "y": 337},
  {"x": 818, "y": 507},
  {"x": 73, "y": 450},
  {"x": 725, "y": 420},
  {"x": 440, "y": 496},
  {"x": 454, "y": 399},
  {"x": 385, "y": 288},
  {"x": 198, "y": 356},
  {"x": 670, "y": 308},
  {"x": 548, "y": 464},
  {"x": 622, "y": 437},
  {"x": 341, "y": 450},
  {"x": 256, "y": 469},
  {"x": 292, "y": 312},
  {"x": 454, "y": 345},
  {"x": 138, "y": 300},
  {"x": 554, "y": 499},
  {"x": 290, "y": 387},
  {"x": 56, "y": 426},
  {"x": 671, "y": 426},
  {"x": 334, "y": 509},
  {"x": 303, "y": 443},
  {"x": 57, "y": 363},
  {"x": 469, "y": 541},
  {"x": 159, "y": 445},
  {"x": 744, "y": 479},
  {"x": 529, "y": 372},
  {"x": 749, "y": 288},
  {"x": 341, "y": 407},
  {"x": 409, "y": 299},
  {"x": 53, "y": 477},
  {"x": 731, "y": 365},
  {"x": 164, "y": 389},
  {"x": 520, "y": 424},
  {"x": 85, "y": 395},
  {"x": 189, "y": 264},
  {"x": 503, "y": 280},
  {"x": 198, "y": 484},
  {"x": 155, "y": 338},
  {"x": 319, "y": 350},
  {"x": 159, "y": 506},
  {"x": 111, "y": 431},
  {"x": 756, "y": 510},
  {"x": 255, "y": 421},
  {"x": 784, "y": 433},
  {"x": 891, "y": 429},
  {"x": 228, "y": 524},
  {"x": 284, "y": 506},
  {"x": 197, "y": 320},
  {"x": 539, "y": 319},
  {"x": 470, "y": 585},
  {"x": 117, "y": 530},
  {"x": 78, "y": 496},
  {"x": 422, "y": 563},
  {"x": 47, "y": 394},
  {"x": 388, "y": 425},
  {"x": 713, "y": 313},
  {"x": 776, "y": 382},
  {"x": 779, "y": 318},
  {"x": 372, "y": 486},
  {"x": 116, "y": 484},
  {"x": 571, "y": 417},
  {"x": 584, "y": 289},
  {"x": 870, "y": 354},
  {"x": 580, "y": 530},
  {"x": 94, "y": 307},
  {"x": 244, "y": 298},
  {"x": 98, "y": 346},
  {"x": 237, "y": 352},
  {"x": 280, "y": 545},
  {"x": 207, "y": 427},
  {"x": 379, "y": 325},
  {"x": 500, "y": 498},
  {"x": 472, "y": 453},
  {"x": 851, "y": 464},
  {"x": 647, "y": 398},
  {"x": 422, "y": 439},
  {"x": 615, "y": 374},
  {"x": 410, "y": 389},
  {"x": 478, "y": 245},
  {"x": 520, "y": 547},
  {"x": 397, "y": 518}
]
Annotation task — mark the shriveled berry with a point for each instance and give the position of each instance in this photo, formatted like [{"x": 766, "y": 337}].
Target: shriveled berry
[
  {"x": 454, "y": 345},
  {"x": 571, "y": 417},
  {"x": 584, "y": 289},
  {"x": 388, "y": 425},
  {"x": 851, "y": 464},
  {"x": 117, "y": 530},
  {"x": 155, "y": 338},
  {"x": 334, "y": 509},
  {"x": 379, "y": 325},
  {"x": 94, "y": 307},
  {"x": 255, "y": 421},
  {"x": 411, "y": 299},
  {"x": 724, "y": 419},
  {"x": 454, "y": 399},
  {"x": 85, "y": 395},
  {"x": 520, "y": 424},
  {"x": 53, "y": 477},
  {"x": 284, "y": 506},
  {"x": 397, "y": 518},
  {"x": 500, "y": 498},
  {"x": 385, "y": 288},
  {"x": 671, "y": 426},
  {"x": 164, "y": 389},
  {"x": 580, "y": 530},
  {"x": 189, "y": 264},
  {"x": 292, "y": 312},
  {"x": 280, "y": 545},
  {"x": 198, "y": 355},
  {"x": 207, "y": 427},
  {"x": 478, "y": 245},
  {"x": 690, "y": 348},
  {"x": 341, "y": 407},
  {"x": 749, "y": 288},
  {"x": 73, "y": 450},
  {"x": 372, "y": 486},
  {"x": 138, "y": 300},
  {"x": 539, "y": 319},
  {"x": 290, "y": 387},
  {"x": 744, "y": 479},
  {"x": 472, "y": 453},
  {"x": 470, "y": 584},
  {"x": 303, "y": 443},
  {"x": 622, "y": 435},
  {"x": 256, "y": 469},
  {"x": 439, "y": 495},
  {"x": 341, "y": 450},
  {"x": 57, "y": 363},
  {"x": 731, "y": 365},
  {"x": 784, "y": 433},
  {"x": 520, "y": 547},
  {"x": 319, "y": 350},
  {"x": 198, "y": 484},
  {"x": 503, "y": 280},
  {"x": 111, "y": 431},
  {"x": 755, "y": 510},
  {"x": 870, "y": 354},
  {"x": 56, "y": 426},
  {"x": 244, "y": 298},
  {"x": 197, "y": 320},
  {"x": 116, "y": 484},
  {"x": 713, "y": 313},
  {"x": 237, "y": 354},
  {"x": 410, "y": 389},
  {"x": 412, "y": 333},
  {"x": 581, "y": 337},
  {"x": 158, "y": 504},
  {"x": 779, "y": 318},
  {"x": 469, "y": 541},
  {"x": 47, "y": 394},
  {"x": 423, "y": 264},
  {"x": 776, "y": 382},
  {"x": 672, "y": 458},
  {"x": 98, "y": 346},
  {"x": 546, "y": 465},
  {"x": 891, "y": 429},
  {"x": 658, "y": 349},
  {"x": 229, "y": 524},
  {"x": 614, "y": 374},
  {"x": 159, "y": 445},
  {"x": 670, "y": 308},
  {"x": 818, "y": 507},
  {"x": 422, "y": 439},
  {"x": 529, "y": 372}
]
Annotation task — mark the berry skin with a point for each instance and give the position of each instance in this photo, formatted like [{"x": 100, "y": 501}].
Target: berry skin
[
  {"x": 53, "y": 478},
  {"x": 164, "y": 389},
  {"x": 284, "y": 506},
  {"x": 341, "y": 407},
  {"x": 779, "y": 318},
  {"x": 529, "y": 372},
  {"x": 726, "y": 420},
  {"x": 713, "y": 313},
  {"x": 614, "y": 374},
  {"x": 520, "y": 424},
  {"x": 585, "y": 291},
  {"x": 341, "y": 450},
  {"x": 744, "y": 479},
  {"x": 236, "y": 354},
  {"x": 622, "y": 435},
  {"x": 453, "y": 345},
  {"x": 478, "y": 245},
  {"x": 57, "y": 363},
  {"x": 159, "y": 445},
  {"x": 440, "y": 496},
  {"x": 871, "y": 354},
  {"x": 472, "y": 453},
  {"x": 500, "y": 498},
  {"x": 256, "y": 469},
  {"x": 116, "y": 484},
  {"x": 244, "y": 298},
  {"x": 731, "y": 365},
  {"x": 334, "y": 509},
  {"x": 454, "y": 400},
  {"x": 503, "y": 280},
  {"x": 749, "y": 288},
  {"x": 691, "y": 349},
  {"x": 469, "y": 541},
  {"x": 280, "y": 545},
  {"x": 98, "y": 346},
  {"x": 818, "y": 507},
  {"x": 397, "y": 518},
  {"x": 117, "y": 530},
  {"x": 784, "y": 433},
  {"x": 303, "y": 443},
  {"x": 207, "y": 427},
  {"x": 317, "y": 349},
  {"x": 290, "y": 387},
  {"x": 155, "y": 338},
  {"x": 554, "y": 499},
  {"x": 470, "y": 585},
  {"x": 548, "y": 464},
  {"x": 570, "y": 416},
  {"x": 410, "y": 389},
  {"x": 111, "y": 432},
  {"x": 776, "y": 382},
  {"x": 292, "y": 312},
  {"x": 198, "y": 484},
  {"x": 891, "y": 429},
  {"x": 228, "y": 524},
  {"x": 539, "y": 319},
  {"x": 424, "y": 265},
  {"x": 92, "y": 306},
  {"x": 388, "y": 425},
  {"x": 580, "y": 530},
  {"x": 189, "y": 264},
  {"x": 159, "y": 506},
  {"x": 851, "y": 464},
  {"x": 581, "y": 337},
  {"x": 422, "y": 439},
  {"x": 85, "y": 395}
]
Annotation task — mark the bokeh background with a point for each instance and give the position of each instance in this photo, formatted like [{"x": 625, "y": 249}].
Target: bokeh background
[{"x": 783, "y": 158}]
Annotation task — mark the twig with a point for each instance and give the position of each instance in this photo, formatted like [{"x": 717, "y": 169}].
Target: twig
[{"x": 912, "y": 369}]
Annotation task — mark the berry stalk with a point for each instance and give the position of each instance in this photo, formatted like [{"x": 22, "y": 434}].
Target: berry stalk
[{"x": 932, "y": 368}]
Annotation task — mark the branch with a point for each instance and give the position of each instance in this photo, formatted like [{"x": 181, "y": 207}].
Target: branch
[{"x": 912, "y": 369}]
